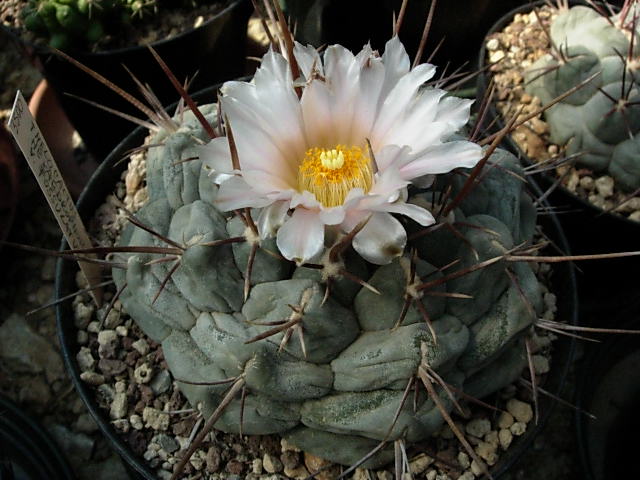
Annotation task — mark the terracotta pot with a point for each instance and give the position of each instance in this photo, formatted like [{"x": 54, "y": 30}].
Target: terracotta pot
[{"x": 58, "y": 133}]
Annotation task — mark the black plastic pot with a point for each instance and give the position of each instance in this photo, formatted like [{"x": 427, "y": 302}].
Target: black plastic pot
[
  {"x": 27, "y": 452},
  {"x": 604, "y": 284},
  {"x": 102, "y": 184},
  {"x": 214, "y": 50},
  {"x": 610, "y": 390}
]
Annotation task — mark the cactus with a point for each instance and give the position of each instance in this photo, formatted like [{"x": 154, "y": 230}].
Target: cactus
[
  {"x": 77, "y": 24},
  {"x": 601, "y": 121},
  {"x": 328, "y": 373}
]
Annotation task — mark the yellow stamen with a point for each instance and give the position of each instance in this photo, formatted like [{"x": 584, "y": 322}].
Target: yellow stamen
[{"x": 331, "y": 174}]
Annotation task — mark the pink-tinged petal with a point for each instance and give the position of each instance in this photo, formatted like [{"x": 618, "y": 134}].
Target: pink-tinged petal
[
  {"x": 301, "y": 238},
  {"x": 418, "y": 126},
  {"x": 396, "y": 64},
  {"x": 270, "y": 104},
  {"x": 369, "y": 91},
  {"x": 235, "y": 193},
  {"x": 442, "y": 159},
  {"x": 342, "y": 77},
  {"x": 392, "y": 155},
  {"x": 454, "y": 111},
  {"x": 400, "y": 98},
  {"x": 257, "y": 149},
  {"x": 316, "y": 112},
  {"x": 271, "y": 218},
  {"x": 388, "y": 183},
  {"x": 265, "y": 182},
  {"x": 274, "y": 72},
  {"x": 308, "y": 60},
  {"x": 305, "y": 199},
  {"x": 333, "y": 215},
  {"x": 381, "y": 240},
  {"x": 416, "y": 213},
  {"x": 216, "y": 155}
]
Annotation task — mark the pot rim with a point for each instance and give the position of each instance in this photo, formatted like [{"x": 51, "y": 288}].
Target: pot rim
[
  {"x": 493, "y": 115},
  {"x": 44, "y": 49},
  {"x": 563, "y": 352}
]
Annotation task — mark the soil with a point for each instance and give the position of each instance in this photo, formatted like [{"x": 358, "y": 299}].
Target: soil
[
  {"x": 510, "y": 52},
  {"x": 165, "y": 22}
]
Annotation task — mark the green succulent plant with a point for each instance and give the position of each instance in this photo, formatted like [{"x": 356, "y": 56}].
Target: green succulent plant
[
  {"x": 600, "y": 122},
  {"x": 327, "y": 372},
  {"x": 69, "y": 24}
]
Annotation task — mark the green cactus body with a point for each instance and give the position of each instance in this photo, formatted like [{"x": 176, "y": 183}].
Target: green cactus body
[
  {"x": 335, "y": 394},
  {"x": 601, "y": 121}
]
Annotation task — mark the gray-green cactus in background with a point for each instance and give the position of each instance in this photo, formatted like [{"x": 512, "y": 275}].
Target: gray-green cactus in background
[
  {"x": 332, "y": 380},
  {"x": 600, "y": 122}
]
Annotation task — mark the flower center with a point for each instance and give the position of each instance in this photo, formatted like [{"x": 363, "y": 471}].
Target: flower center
[{"x": 331, "y": 174}]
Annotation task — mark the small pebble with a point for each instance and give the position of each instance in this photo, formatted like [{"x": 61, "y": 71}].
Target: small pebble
[
  {"x": 506, "y": 437},
  {"x": 518, "y": 428},
  {"x": 478, "y": 427},
  {"x": 271, "y": 464},
  {"x": 92, "y": 378},
  {"x": 141, "y": 346},
  {"x": 604, "y": 185},
  {"x": 143, "y": 373},
  {"x": 521, "y": 411},
  {"x": 420, "y": 463},
  {"x": 505, "y": 420}
]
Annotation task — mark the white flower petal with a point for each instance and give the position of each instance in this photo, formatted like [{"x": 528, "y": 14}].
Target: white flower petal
[
  {"x": 271, "y": 218},
  {"x": 265, "y": 182},
  {"x": 416, "y": 213},
  {"x": 399, "y": 100},
  {"x": 369, "y": 91},
  {"x": 316, "y": 112},
  {"x": 301, "y": 238},
  {"x": 392, "y": 155},
  {"x": 381, "y": 240},
  {"x": 454, "y": 111},
  {"x": 308, "y": 60},
  {"x": 216, "y": 155},
  {"x": 442, "y": 159},
  {"x": 342, "y": 77},
  {"x": 388, "y": 183},
  {"x": 235, "y": 193},
  {"x": 305, "y": 199},
  {"x": 396, "y": 64},
  {"x": 333, "y": 215}
]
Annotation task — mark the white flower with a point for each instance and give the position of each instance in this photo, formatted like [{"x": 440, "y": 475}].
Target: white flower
[{"x": 306, "y": 162}]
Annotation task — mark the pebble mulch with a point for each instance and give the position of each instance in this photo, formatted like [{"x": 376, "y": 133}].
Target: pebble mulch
[
  {"x": 510, "y": 52},
  {"x": 137, "y": 392}
]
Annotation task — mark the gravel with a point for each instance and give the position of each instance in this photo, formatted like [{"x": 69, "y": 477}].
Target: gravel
[{"x": 510, "y": 52}]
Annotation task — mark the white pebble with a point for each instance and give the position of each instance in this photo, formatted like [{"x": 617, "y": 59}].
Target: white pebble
[
  {"x": 518, "y": 428},
  {"x": 604, "y": 185},
  {"x": 520, "y": 410}
]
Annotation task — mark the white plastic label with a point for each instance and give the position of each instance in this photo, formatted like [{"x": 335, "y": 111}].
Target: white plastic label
[{"x": 32, "y": 144}]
